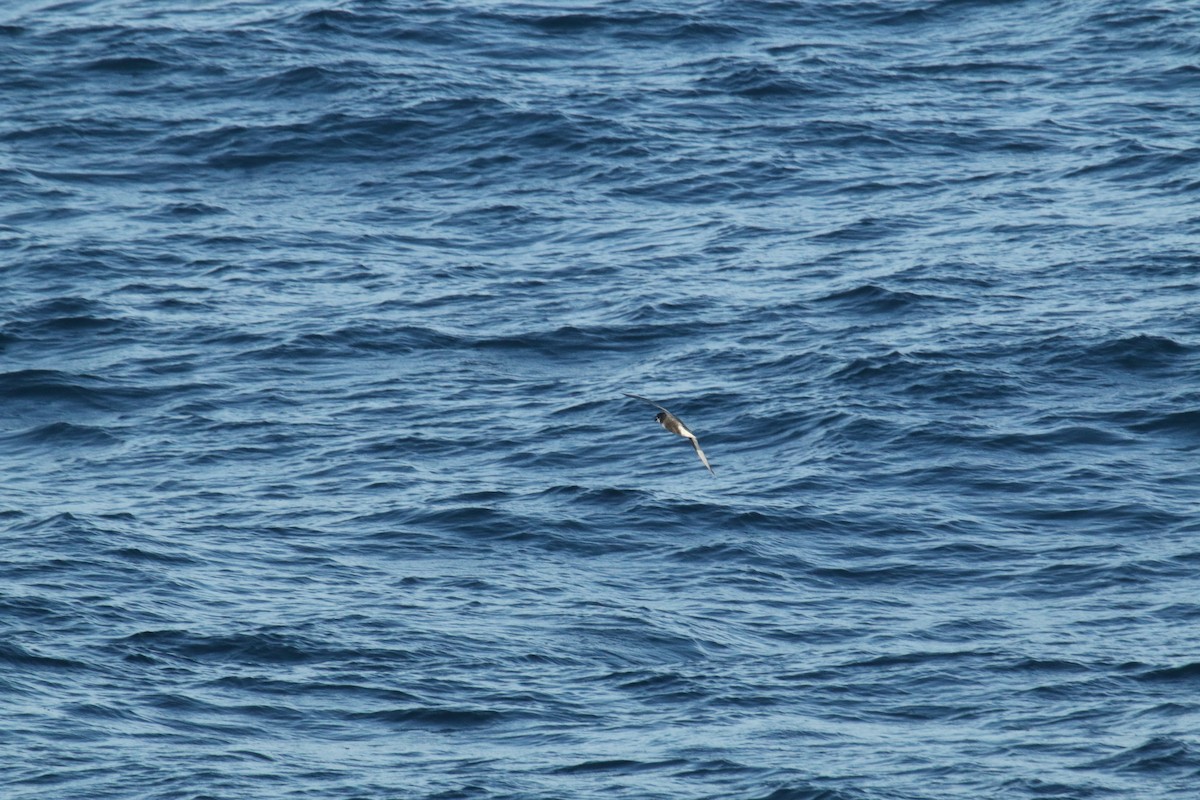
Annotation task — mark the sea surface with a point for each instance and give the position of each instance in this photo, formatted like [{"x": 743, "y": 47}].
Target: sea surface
[{"x": 317, "y": 475}]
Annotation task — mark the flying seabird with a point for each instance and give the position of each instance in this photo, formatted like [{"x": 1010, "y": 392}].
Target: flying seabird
[{"x": 675, "y": 425}]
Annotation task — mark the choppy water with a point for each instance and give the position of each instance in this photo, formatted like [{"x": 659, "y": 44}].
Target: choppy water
[{"x": 318, "y": 480}]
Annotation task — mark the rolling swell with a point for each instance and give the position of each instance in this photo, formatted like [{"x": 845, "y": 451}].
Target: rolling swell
[{"x": 318, "y": 478}]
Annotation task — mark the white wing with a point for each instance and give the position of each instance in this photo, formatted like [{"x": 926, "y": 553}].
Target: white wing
[{"x": 644, "y": 400}]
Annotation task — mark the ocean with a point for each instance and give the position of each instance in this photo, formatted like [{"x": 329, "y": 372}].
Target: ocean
[{"x": 319, "y": 477}]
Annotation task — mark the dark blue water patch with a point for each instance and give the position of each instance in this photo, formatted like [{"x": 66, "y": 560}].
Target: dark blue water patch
[
  {"x": 643, "y": 27},
  {"x": 195, "y": 716},
  {"x": 36, "y": 609},
  {"x": 895, "y": 370},
  {"x": 52, "y": 396},
  {"x": 1047, "y": 667},
  {"x": 367, "y": 25},
  {"x": 127, "y": 65},
  {"x": 34, "y": 389},
  {"x": 964, "y": 387},
  {"x": 897, "y": 573},
  {"x": 334, "y": 135},
  {"x": 1053, "y": 439},
  {"x": 732, "y": 554},
  {"x": 63, "y": 520},
  {"x": 865, "y": 229},
  {"x": 1183, "y": 674},
  {"x": 1160, "y": 755},
  {"x": 811, "y": 791},
  {"x": 340, "y": 692},
  {"x": 262, "y": 648},
  {"x": 1141, "y": 352},
  {"x": 843, "y": 135},
  {"x": 681, "y": 187},
  {"x": 151, "y": 556},
  {"x": 414, "y": 136},
  {"x": 82, "y": 136},
  {"x": 1184, "y": 423},
  {"x": 620, "y": 766},
  {"x": 63, "y": 434},
  {"x": 87, "y": 262},
  {"x": 938, "y": 11},
  {"x": 333, "y": 19},
  {"x": 1053, "y": 790},
  {"x": 100, "y": 712},
  {"x": 1180, "y": 77},
  {"x": 874, "y": 299},
  {"x": 444, "y": 719},
  {"x": 192, "y": 210},
  {"x": 8, "y": 340},
  {"x": 56, "y": 214},
  {"x": 1145, "y": 166},
  {"x": 1082, "y": 577},
  {"x": 21, "y": 658},
  {"x": 620, "y": 639},
  {"x": 1126, "y": 18},
  {"x": 1179, "y": 611},
  {"x": 305, "y": 83},
  {"x": 377, "y": 337},
  {"x": 756, "y": 80},
  {"x": 71, "y": 317},
  {"x": 1144, "y": 33},
  {"x": 986, "y": 64},
  {"x": 1112, "y": 361},
  {"x": 577, "y": 342}
]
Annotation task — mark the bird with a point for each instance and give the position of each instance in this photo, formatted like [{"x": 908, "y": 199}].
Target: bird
[{"x": 675, "y": 425}]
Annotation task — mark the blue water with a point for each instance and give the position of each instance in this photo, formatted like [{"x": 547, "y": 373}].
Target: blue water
[{"x": 318, "y": 480}]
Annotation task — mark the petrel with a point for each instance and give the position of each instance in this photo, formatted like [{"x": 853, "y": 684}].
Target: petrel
[{"x": 675, "y": 425}]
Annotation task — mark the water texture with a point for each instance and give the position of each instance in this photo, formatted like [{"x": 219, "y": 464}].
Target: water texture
[{"x": 317, "y": 476}]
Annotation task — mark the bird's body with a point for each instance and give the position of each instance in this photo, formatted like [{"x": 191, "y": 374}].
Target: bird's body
[{"x": 675, "y": 425}]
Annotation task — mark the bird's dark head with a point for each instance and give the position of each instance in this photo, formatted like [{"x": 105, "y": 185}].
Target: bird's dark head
[{"x": 660, "y": 416}]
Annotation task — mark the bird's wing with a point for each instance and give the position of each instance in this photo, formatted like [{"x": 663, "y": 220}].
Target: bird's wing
[
  {"x": 644, "y": 400},
  {"x": 699, "y": 452}
]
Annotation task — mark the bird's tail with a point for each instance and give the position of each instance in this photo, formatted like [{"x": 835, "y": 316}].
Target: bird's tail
[{"x": 700, "y": 453}]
